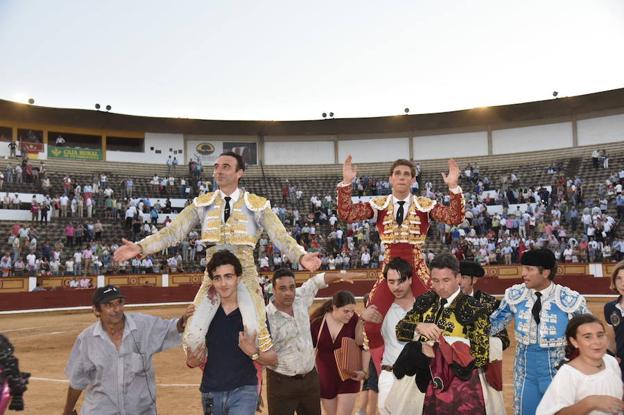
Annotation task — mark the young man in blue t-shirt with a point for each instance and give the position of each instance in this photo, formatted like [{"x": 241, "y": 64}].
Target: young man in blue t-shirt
[{"x": 229, "y": 382}]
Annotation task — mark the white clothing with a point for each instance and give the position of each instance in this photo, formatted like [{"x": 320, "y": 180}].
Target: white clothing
[
  {"x": 384, "y": 385},
  {"x": 235, "y": 196},
  {"x": 292, "y": 339},
  {"x": 406, "y": 205},
  {"x": 392, "y": 349},
  {"x": 570, "y": 386}
]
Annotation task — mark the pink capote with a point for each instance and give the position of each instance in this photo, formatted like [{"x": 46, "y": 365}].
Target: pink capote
[{"x": 5, "y": 397}]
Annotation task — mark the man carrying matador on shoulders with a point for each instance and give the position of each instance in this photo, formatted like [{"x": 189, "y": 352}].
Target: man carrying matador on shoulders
[
  {"x": 233, "y": 219},
  {"x": 402, "y": 220}
]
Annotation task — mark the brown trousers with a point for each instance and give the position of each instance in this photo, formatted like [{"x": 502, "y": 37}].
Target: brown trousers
[{"x": 286, "y": 394}]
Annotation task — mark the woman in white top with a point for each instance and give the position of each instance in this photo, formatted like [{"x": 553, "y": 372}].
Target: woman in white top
[{"x": 591, "y": 382}]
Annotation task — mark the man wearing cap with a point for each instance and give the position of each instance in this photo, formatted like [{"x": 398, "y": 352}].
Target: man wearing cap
[
  {"x": 444, "y": 317},
  {"x": 232, "y": 219},
  {"x": 541, "y": 310},
  {"x": 112, "y": 359},
  {"x": 491, "y": 379}
]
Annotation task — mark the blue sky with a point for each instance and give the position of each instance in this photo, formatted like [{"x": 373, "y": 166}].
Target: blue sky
[{"x": 286, "y": 60}]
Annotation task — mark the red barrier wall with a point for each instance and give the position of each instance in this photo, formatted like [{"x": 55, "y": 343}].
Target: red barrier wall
[{"x": 145, "y": 294}]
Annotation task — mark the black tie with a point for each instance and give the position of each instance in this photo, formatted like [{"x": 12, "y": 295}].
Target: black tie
[
  {"x": 226, "y": 211},
  {"x": 399, "y": 217},
  {"x": 537, "y": 307},
  {"x": 440, "y": 310}
]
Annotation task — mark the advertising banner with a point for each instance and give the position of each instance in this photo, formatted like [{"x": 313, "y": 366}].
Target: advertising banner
[{"x": 74, "y": 153}]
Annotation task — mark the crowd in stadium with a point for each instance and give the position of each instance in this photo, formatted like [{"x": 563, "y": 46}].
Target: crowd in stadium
[{"x": 556, "y": 215}]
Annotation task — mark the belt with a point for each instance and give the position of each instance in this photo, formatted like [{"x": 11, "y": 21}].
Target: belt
[
  {"x": 295, "y": 377},
  {"x": 387, "y": 368}
]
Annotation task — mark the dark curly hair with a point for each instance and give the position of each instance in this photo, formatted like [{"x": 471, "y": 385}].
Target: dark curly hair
[
  {"x": 401, "y": 266},
  {"x": 224, "y": 257}
]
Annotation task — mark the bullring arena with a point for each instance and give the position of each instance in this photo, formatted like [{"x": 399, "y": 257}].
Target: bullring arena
[{"x": 524, "y": 139}]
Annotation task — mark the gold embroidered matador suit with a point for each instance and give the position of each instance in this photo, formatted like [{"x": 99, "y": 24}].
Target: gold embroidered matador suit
[
  {"x": 463, "y": 318},
  {"x": 250, "y": 215},
  {"x": 405, "y": 241}
]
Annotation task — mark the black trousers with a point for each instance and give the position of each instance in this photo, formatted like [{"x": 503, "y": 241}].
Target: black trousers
[{"x": 287, "y": 394}]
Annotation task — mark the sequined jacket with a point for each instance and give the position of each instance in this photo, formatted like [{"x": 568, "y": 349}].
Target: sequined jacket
[
  {"x": 557, "y": 309},
  {"x": 464, "y": 318},
  {"x": 414, "y": 228},
  {"x": 250, "y": 215},
  {"x": 491, "y": 304}
]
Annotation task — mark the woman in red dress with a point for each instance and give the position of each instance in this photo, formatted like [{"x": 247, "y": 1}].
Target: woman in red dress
[{"x": 336, "y": 319}]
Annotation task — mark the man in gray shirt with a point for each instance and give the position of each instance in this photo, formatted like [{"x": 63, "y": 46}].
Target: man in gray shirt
[{"x": 112, "y": 359}]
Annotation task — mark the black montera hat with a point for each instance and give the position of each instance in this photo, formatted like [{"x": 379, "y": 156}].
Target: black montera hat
[
  {"x": 471, "y": 269},
  {"x": 106, "y": 294},
  {"x": 540, "y": 258}
]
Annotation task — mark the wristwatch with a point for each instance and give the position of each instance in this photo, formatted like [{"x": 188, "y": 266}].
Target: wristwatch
[{"x": 255, "y": 356}]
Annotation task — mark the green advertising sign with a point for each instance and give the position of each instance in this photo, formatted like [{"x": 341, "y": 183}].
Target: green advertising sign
[{"x": 74, "y": 153}]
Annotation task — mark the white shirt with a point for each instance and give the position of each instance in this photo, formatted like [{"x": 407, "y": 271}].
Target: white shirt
[
  {"x": 570, "y": 386},
  {"x": 392, "y": 347},
  {"x": 264, "y": 262},
  {"x": 545, "y": 292},
  {"x": 406, "y": 205},
  {"x": 450, "y": 299},
  {"x": 292, "y": 339},
  {"x": 235, "y": 196},
  {"x": 30, "y": 258}
]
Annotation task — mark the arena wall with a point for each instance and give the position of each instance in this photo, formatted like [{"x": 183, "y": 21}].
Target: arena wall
[
  {"x": 584, "y": 120},
  {"x": 374, "y": 150},
  {"x": 444, "y": 146},
  {"x": 588, "y": 279},
  {"x": 532, "y": 138},
  {"x": 599, "y": 130},
  {"x": 299, "y": 152},
  {"x": 158, "y": 141}
]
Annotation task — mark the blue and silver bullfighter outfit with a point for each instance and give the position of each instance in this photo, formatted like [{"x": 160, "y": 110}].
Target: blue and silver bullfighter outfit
[{"x": 540, "y": 347}]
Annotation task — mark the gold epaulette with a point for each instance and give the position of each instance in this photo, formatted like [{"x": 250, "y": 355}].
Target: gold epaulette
[
  {"x": 206, "y": 199},
  {"x": 255, "y": 202},
  {"x": 380, "y": 202},
  {"x": 424, "y": 204}
]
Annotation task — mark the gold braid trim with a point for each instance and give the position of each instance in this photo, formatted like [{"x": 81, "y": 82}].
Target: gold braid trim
[
  {"x": 380, "y": 202},
  {"x": 233, "y": 232},
  {"x": 206, "y": 199},
  {"x": 256, "y": 203},
  {"x": 408, "y": 232},
  {"x": 424, "y": 204}
]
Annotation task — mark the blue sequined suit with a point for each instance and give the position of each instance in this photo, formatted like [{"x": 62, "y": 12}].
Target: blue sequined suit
[{"x": 540, "y": 348}]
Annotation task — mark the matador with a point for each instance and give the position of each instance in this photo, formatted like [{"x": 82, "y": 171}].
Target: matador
[
  {"x": 233, "y": 219},
  {"x": 402, "y": 221}
]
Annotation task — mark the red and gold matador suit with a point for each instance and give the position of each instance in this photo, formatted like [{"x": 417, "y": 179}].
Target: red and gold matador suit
[{"x": 405, "y": 241}]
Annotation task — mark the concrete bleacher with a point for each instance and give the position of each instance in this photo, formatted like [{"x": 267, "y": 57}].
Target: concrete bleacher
[{"x": 311, "y": 179}]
